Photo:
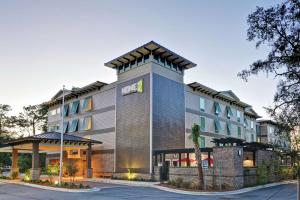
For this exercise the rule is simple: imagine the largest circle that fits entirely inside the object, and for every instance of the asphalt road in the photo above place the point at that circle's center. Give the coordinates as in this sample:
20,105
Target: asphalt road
18,192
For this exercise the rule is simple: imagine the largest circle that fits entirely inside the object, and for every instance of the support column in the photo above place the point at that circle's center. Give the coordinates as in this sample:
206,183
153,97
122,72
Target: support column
15,167
35,170
89,161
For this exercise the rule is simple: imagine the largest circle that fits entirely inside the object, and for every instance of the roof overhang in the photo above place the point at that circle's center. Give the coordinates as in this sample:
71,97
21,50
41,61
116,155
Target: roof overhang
154,48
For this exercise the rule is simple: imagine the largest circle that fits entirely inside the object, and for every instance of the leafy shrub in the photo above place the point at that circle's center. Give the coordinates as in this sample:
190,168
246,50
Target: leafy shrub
195,185
178,182
262,172
81,186
14,175
186,185
72,169
52,170
27,176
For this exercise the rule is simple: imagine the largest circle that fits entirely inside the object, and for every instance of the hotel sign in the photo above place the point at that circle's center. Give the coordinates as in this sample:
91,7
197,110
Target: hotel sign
137,87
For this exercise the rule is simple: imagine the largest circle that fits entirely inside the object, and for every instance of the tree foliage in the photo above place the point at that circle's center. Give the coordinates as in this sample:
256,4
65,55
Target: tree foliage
33,118
278,28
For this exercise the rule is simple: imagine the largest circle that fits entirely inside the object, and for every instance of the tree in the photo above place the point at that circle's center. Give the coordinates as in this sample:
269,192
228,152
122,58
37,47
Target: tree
6,123
278,27
195,135
33,118
72,169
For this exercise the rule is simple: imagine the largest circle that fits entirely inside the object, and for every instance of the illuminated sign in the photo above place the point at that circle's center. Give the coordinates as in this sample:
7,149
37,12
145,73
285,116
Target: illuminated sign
133,88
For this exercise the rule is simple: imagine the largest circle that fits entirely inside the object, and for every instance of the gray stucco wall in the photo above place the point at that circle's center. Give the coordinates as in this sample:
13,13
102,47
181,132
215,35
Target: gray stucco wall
133,128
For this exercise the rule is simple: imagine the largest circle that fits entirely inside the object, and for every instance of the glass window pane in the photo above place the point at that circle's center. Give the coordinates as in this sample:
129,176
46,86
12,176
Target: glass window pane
73,126
229,128
217,108
217,126
87,104
202,123
202,104
74,108
239,132
66,110
229,112
87,123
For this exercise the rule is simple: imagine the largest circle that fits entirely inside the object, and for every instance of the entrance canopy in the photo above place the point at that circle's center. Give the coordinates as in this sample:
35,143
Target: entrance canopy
49,141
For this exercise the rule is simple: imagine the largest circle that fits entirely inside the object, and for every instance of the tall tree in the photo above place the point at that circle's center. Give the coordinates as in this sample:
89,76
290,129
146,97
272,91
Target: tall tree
6,123
195,135
278,27
33,118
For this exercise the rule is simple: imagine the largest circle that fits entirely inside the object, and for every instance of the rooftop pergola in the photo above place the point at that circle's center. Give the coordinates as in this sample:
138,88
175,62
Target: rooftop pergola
46,142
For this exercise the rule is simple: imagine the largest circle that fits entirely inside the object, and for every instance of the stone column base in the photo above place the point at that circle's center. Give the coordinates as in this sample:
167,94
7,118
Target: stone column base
35,174
90,173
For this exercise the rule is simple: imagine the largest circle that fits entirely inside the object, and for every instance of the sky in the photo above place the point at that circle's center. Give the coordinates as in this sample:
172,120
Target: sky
47,44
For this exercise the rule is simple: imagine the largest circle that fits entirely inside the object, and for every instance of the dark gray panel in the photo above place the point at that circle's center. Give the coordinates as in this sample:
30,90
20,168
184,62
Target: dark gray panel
133,128
168,113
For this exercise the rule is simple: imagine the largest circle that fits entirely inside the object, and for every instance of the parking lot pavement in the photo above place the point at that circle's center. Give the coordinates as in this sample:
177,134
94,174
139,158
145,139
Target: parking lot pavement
18,192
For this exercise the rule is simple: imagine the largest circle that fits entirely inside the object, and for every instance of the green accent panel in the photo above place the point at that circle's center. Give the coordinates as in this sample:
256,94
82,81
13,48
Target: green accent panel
66,110
202,123
202,142
229,128
202,104
140,86
229,112
239,130
73,126
74,108
217,126
217,108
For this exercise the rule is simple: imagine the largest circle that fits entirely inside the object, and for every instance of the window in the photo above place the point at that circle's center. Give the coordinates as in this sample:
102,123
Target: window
252,138
73,126
87,104
127,67
66,126
251,124
139,60
54,128
238,115
66,110
146,58
121,69
180,69
162,61
229,129
202,104
202,123
245,122
202,142
168,64
217,108
217,126
74,108
155,57
229,112
271,130
87,123
239,132
174,67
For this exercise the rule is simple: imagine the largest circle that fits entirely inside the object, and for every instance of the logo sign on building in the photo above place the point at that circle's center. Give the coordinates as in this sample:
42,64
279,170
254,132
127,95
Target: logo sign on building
204,164
133,88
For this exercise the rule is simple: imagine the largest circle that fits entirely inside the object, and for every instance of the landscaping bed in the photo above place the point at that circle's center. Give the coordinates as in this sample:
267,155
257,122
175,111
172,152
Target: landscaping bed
67,185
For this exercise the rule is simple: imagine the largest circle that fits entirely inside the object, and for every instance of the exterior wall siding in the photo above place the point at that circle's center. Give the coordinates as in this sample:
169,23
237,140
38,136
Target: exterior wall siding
133,128
168,113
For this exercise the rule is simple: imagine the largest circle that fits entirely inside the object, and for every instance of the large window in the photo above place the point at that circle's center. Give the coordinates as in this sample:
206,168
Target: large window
75,107
87,104
229,112
202,104
239,132
238,115
66,110
217,108
252,138
229,128
251,124
66,126
245,122
87,123
73,126
202,123
202,142
218,127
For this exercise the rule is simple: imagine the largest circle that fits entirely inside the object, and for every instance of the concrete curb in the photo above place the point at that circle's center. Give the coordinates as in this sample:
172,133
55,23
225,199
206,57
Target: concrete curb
155,185
234,192
52,188
124,182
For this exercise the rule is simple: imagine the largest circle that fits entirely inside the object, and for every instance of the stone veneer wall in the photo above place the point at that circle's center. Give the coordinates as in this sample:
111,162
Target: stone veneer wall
103,164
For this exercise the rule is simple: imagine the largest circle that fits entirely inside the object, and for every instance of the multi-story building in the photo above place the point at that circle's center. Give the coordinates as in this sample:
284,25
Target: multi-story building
148,108
268,133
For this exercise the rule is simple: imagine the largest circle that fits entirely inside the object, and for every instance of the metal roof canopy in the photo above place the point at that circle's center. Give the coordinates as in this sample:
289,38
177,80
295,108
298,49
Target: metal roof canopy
154,48
48,141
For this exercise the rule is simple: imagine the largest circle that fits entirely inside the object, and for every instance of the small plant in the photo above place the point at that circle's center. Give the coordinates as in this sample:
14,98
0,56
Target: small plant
71,169
65,184
27,176
262,172
52,170
178,182
186,185
14,175
81,186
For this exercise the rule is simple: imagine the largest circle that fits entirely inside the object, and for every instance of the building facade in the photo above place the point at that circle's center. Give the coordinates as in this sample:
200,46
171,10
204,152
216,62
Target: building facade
148,108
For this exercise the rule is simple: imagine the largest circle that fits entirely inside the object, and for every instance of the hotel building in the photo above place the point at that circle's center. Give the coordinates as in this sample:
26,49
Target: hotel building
148,108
